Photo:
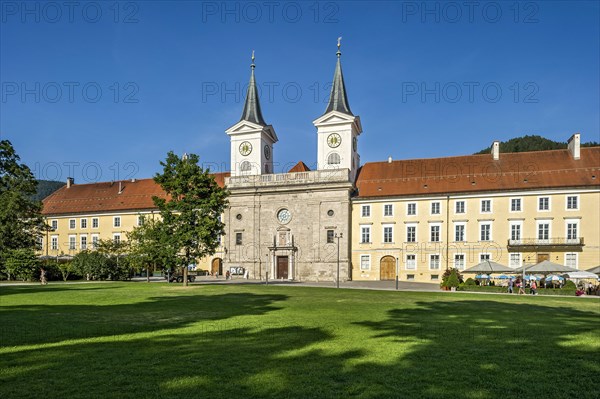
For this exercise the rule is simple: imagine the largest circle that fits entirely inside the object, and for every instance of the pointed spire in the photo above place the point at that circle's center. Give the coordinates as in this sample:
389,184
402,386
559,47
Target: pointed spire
251,111
338,100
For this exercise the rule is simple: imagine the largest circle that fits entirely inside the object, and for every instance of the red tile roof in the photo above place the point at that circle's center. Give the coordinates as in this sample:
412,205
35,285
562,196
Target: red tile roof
299,167
105,197
476,173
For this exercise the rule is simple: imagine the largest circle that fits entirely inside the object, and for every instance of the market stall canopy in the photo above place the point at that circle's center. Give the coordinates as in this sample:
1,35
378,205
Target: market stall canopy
489,267
581,275
546,267
595,270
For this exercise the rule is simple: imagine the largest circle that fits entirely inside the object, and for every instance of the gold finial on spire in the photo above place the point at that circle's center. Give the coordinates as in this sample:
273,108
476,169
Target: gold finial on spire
339,44
252,65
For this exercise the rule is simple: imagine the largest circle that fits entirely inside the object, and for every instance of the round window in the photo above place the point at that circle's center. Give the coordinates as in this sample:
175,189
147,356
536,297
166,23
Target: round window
238,216
330,212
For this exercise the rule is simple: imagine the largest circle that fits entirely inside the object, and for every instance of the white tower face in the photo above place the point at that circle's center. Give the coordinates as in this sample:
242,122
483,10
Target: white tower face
338,142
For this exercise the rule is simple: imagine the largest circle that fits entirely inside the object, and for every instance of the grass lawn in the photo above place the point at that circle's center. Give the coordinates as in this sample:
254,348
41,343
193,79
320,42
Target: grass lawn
137,340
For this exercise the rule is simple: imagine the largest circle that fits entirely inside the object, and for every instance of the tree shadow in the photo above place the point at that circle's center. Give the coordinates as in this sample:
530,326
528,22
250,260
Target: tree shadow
7,290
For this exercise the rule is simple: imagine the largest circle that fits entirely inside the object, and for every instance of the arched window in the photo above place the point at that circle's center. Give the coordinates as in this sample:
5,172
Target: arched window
333,158
245,166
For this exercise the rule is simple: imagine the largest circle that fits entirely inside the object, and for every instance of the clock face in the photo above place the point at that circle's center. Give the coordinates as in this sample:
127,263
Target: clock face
267,151
284,216
245,148
354,144
334,140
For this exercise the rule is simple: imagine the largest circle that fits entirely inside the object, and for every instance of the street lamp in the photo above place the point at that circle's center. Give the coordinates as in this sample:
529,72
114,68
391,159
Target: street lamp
397,262
338,258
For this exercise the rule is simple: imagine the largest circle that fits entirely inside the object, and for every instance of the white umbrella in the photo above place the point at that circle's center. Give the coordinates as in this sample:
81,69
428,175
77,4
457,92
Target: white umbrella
581,275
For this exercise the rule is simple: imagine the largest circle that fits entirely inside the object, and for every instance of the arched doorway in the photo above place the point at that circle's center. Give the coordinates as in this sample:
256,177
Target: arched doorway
216,266
387,268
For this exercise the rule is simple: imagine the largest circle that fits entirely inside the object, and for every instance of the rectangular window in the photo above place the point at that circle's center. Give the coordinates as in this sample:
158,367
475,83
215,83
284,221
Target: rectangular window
571,260
140,220
410,277
515,205
330,236
95,223
388,210
435,208
543,203
83,242
388,234
411,233
459,261
117,238
411,262
484,257
366,211
543,231
486,206
117,221
435,233
515,232
238,238
83,223
515,260
572,231
365,262
39,243
365,234
72,242
572,202
95,241
54,243
459,232
486,232
71,224
459,207
411,208
434,262
435,277
54,225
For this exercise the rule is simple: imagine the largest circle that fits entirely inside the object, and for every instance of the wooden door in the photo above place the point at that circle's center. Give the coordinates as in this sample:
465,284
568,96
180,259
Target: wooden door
387,268
282,267
216,266
543,257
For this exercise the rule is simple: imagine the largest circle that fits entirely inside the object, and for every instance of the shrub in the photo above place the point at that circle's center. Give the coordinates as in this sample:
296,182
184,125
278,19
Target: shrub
470,281
453,279
21,264
569,285
447,275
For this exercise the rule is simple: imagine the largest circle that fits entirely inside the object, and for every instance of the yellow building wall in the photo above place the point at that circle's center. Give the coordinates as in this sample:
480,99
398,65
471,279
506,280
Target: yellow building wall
587,216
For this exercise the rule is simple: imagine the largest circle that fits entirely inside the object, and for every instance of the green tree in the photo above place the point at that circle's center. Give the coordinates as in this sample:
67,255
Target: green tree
66,269
21,264
190,216
118,260
91,264
20,218
149,245
532,143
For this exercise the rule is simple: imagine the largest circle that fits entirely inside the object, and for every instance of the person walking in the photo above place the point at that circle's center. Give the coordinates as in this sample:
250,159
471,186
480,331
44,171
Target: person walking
533,288
43,279
510,285
520,285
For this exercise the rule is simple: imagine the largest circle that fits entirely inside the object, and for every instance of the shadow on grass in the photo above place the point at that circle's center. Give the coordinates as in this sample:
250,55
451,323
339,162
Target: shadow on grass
459,349
6,290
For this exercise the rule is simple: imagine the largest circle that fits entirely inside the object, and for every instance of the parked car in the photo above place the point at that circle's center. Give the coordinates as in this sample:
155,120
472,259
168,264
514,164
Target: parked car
178,277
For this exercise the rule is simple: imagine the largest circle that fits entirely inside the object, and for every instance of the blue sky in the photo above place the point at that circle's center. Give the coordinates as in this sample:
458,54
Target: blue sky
102,90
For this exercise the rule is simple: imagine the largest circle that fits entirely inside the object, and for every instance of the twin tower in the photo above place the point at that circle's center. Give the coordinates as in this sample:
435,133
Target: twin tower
252,139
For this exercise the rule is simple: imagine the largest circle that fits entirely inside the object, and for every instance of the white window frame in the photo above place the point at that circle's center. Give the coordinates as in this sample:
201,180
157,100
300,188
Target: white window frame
83,246
97,220
464,225
520,256
464,260
366,208
464,202
491,236
439,226
510,228
54,224
368,227
406,264
391,207
510,200
54,243
432,205
576,255
115,235
140,218
416,232
439,260
481,201
577,230
383,227
537,231
567,202
72,242
368,257
408,204
549,203
72,224
97,237
486,254
115,218
83,221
